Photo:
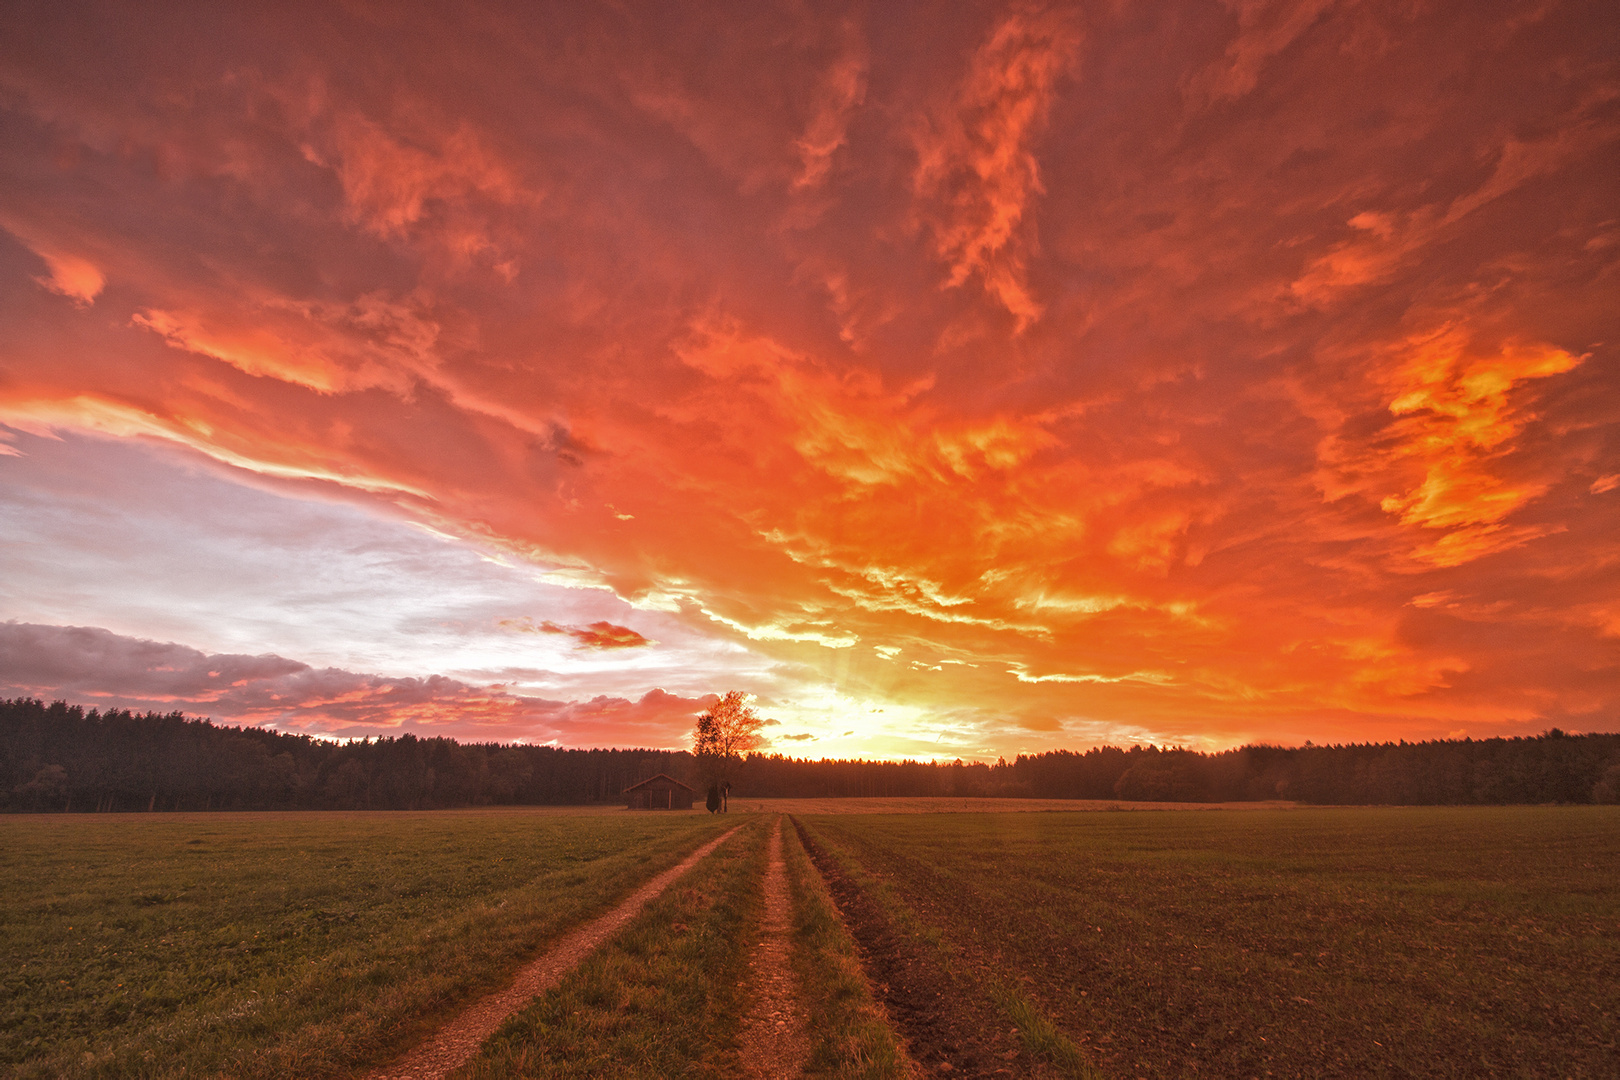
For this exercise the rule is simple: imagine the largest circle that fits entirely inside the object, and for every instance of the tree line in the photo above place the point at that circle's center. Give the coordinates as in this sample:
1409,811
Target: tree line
61,757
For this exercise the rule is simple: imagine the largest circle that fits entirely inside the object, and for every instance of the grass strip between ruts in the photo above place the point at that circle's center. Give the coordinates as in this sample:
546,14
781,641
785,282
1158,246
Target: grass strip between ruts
664,998
850,1037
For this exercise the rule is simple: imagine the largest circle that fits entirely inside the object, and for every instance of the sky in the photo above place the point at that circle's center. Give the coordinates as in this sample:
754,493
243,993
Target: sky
961,380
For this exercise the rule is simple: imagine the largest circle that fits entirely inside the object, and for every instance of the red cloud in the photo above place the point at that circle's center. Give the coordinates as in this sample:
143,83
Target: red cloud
598,635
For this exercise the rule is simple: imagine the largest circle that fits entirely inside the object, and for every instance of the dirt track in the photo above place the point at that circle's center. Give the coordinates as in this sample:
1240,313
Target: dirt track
775,1039
949,1028
455,1043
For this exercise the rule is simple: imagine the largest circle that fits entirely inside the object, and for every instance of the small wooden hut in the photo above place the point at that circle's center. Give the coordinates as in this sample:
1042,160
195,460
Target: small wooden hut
659,793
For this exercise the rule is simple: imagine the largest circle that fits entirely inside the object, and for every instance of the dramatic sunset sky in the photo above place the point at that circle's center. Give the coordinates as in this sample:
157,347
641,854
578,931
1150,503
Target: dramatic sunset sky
960,379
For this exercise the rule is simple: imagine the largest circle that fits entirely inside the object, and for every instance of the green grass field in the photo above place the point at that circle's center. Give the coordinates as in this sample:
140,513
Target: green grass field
660,999
1353,942
286,944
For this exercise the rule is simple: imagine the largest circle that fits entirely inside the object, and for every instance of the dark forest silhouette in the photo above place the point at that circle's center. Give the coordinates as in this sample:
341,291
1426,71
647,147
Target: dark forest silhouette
63,757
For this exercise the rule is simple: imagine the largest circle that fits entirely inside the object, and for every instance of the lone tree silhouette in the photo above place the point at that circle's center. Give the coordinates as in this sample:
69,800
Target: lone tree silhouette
723,735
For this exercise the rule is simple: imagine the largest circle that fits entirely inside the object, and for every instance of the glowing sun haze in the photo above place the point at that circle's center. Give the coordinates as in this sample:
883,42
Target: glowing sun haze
961,380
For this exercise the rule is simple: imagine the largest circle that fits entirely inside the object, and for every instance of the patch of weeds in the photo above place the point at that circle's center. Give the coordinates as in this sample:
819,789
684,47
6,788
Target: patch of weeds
1038,1034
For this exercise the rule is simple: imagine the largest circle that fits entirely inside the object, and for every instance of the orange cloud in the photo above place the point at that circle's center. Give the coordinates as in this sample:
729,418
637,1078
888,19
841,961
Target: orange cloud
1265,28
73,277
71,274
1458,423
976,162
842,90
371,342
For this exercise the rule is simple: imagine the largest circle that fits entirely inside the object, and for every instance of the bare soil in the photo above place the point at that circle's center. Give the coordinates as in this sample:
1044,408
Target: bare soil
775,1038
456,1042
950,1027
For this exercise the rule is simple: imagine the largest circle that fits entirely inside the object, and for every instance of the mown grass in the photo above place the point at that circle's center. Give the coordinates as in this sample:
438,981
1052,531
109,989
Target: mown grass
260,945
850,1038
1357,942
664,998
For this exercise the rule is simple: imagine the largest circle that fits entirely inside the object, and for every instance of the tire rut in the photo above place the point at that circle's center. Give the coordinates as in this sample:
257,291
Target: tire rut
951,1029
454,1044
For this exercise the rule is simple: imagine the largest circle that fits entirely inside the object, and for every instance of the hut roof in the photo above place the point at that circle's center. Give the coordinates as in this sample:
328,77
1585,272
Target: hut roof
652,779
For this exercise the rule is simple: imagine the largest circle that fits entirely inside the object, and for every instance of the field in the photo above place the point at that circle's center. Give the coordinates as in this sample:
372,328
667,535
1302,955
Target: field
665,998
957,805
282,944
1351,942
1170,943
